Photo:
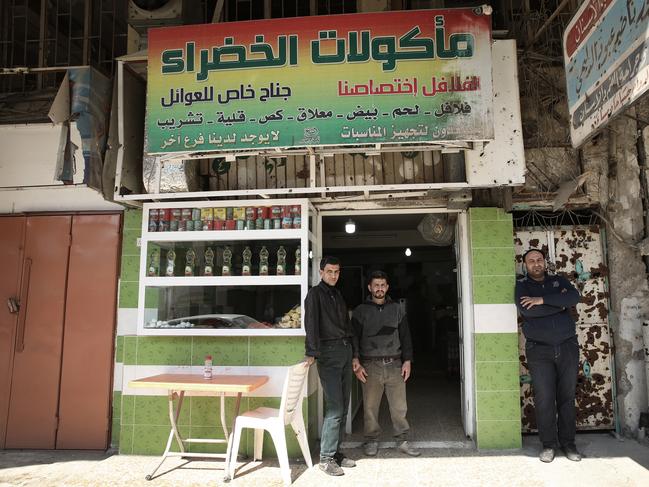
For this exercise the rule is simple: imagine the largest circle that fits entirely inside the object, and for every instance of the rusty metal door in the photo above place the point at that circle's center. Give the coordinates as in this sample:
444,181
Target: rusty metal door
91,304
12,234
34,396
578,254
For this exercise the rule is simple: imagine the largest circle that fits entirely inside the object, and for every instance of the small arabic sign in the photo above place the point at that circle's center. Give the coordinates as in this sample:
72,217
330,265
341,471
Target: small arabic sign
410,76
606,46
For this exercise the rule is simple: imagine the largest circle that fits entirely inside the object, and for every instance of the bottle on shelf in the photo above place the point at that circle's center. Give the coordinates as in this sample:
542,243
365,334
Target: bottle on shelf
298,261
171,263
263,261
247,266
207,369
281,261
208,270
154,263
227,262
190,258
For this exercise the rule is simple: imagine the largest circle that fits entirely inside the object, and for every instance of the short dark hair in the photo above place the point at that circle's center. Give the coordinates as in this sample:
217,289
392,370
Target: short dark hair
329,259
533,250
376,275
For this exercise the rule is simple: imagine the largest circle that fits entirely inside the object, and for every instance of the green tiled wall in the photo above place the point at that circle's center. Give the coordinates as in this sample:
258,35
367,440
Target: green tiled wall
492,249
141,423
117,419
496,354
145,424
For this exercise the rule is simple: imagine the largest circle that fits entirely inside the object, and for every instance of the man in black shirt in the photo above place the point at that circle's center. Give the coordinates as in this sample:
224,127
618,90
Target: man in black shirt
382,358
552,351
328,340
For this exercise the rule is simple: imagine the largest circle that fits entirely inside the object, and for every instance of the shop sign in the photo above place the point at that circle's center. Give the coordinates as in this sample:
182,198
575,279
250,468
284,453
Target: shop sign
391,77
605,45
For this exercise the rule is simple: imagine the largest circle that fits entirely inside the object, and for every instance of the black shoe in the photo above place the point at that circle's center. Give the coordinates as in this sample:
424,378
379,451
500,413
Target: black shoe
343,461
330,467
547,455
571,453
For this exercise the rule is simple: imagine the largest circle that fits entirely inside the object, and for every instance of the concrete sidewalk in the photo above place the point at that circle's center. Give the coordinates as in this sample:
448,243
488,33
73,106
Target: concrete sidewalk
608,462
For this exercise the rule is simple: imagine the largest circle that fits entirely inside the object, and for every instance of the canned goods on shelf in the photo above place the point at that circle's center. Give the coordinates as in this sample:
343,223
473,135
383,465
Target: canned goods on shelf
220,214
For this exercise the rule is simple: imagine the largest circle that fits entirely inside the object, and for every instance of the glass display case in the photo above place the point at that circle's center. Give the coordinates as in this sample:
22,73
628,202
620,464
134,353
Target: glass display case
224,267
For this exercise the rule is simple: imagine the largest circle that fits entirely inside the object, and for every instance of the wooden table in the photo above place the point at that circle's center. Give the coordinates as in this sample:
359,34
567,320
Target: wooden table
179,384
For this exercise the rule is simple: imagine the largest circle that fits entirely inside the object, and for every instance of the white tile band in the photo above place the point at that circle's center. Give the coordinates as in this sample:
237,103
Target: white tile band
495,318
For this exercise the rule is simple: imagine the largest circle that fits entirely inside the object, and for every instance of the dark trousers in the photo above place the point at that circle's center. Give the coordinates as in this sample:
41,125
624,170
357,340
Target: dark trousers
335,371
554,382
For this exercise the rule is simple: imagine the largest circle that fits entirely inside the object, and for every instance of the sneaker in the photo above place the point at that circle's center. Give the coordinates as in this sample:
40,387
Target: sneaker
371,448
547,455
571,453
330,467
405,447
343,461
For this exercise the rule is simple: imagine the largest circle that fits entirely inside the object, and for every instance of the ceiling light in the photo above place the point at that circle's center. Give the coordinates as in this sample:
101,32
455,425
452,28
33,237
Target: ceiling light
408,252
350,226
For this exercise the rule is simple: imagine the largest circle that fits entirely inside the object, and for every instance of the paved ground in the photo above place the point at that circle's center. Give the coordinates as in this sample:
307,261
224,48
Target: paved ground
608,462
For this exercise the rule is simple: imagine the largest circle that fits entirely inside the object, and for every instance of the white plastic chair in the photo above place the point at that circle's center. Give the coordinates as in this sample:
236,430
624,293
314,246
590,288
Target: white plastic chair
274,421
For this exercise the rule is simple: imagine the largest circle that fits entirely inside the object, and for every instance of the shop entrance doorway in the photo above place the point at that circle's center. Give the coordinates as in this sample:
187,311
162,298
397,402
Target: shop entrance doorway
424,281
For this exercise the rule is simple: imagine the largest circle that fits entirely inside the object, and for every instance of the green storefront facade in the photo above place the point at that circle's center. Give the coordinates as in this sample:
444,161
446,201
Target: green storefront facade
141,420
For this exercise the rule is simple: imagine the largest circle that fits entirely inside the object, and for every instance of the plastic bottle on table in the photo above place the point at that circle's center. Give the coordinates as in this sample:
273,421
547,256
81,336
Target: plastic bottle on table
207,370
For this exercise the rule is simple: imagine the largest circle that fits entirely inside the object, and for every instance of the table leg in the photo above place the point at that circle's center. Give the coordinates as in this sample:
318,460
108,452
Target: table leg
174,433
225,429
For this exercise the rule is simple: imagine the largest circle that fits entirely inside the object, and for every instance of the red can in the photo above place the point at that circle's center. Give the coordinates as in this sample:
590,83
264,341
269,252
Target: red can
230,224
263,212
286,212
251,213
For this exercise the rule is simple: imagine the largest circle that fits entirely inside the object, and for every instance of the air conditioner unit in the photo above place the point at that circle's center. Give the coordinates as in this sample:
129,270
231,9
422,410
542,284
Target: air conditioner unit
143,14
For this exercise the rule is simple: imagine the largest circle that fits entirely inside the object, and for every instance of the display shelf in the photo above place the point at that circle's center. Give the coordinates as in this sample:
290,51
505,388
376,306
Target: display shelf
224,332
263,298
223,281
225,235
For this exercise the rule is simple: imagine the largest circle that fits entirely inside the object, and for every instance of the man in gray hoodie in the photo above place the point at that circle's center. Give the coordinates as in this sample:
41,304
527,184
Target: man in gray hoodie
382,351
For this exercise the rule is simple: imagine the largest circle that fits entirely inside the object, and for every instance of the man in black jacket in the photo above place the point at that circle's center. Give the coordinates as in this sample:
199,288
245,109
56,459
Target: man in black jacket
382,358
552,351
329,341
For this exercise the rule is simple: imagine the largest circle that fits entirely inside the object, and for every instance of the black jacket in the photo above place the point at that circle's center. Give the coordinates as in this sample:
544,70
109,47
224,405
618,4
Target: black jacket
550,322
381,330
325,317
